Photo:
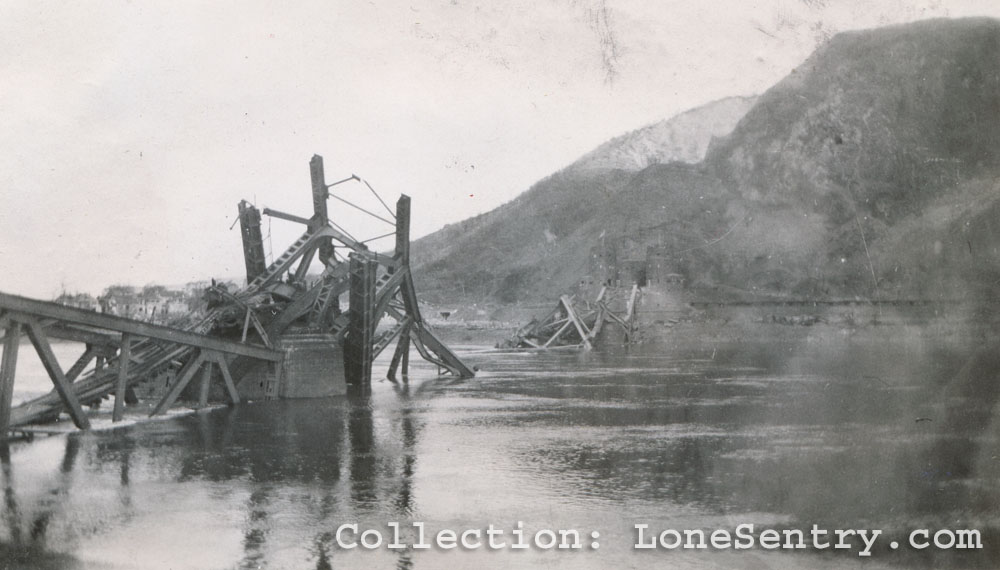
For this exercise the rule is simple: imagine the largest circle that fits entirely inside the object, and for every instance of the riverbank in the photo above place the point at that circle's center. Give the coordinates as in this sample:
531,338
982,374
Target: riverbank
952,324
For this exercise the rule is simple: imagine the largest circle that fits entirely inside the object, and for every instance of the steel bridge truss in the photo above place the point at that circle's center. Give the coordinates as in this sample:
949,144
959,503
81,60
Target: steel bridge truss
126,352
379,287
279,298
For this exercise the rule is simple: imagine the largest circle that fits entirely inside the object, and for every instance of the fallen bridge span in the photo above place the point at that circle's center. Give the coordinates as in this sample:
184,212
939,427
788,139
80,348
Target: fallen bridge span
279,336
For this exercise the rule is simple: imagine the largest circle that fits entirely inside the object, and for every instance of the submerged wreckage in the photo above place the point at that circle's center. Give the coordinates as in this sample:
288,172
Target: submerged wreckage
284,335
578,324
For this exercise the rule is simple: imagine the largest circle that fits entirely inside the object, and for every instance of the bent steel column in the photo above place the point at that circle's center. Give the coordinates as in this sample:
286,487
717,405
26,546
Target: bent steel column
358,349
7,370
253,240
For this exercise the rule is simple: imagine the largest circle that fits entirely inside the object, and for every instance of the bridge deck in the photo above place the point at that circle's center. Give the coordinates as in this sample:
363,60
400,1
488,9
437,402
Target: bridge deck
133,349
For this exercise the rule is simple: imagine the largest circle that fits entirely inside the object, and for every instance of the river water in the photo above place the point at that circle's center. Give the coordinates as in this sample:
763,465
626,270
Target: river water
821,428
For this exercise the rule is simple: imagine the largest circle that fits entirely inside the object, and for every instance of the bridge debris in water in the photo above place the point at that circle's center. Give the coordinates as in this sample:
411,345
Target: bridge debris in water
277,337
576,324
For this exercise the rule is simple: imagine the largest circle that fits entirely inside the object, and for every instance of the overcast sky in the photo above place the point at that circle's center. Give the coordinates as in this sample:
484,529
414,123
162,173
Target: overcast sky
129,130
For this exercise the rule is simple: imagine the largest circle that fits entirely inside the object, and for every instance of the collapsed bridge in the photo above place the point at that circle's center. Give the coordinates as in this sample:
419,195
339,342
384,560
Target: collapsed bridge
576,323
283,335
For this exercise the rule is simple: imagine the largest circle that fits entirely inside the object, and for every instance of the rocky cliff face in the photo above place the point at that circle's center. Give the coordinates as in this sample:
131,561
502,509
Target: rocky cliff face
683,138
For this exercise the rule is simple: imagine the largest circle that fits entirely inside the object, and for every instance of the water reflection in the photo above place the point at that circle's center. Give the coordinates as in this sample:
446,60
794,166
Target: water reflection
408,427
362,458
11,510
845,435
27,530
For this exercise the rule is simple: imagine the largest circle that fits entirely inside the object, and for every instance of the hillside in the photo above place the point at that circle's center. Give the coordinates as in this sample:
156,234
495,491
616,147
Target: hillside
880,134
540,242
870,171
683,138
526,249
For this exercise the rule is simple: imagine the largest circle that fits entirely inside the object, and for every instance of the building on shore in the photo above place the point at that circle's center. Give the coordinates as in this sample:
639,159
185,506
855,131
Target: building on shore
79,301
152,303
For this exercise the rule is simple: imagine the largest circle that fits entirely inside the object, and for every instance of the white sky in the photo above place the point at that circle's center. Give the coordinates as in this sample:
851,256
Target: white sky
130,130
